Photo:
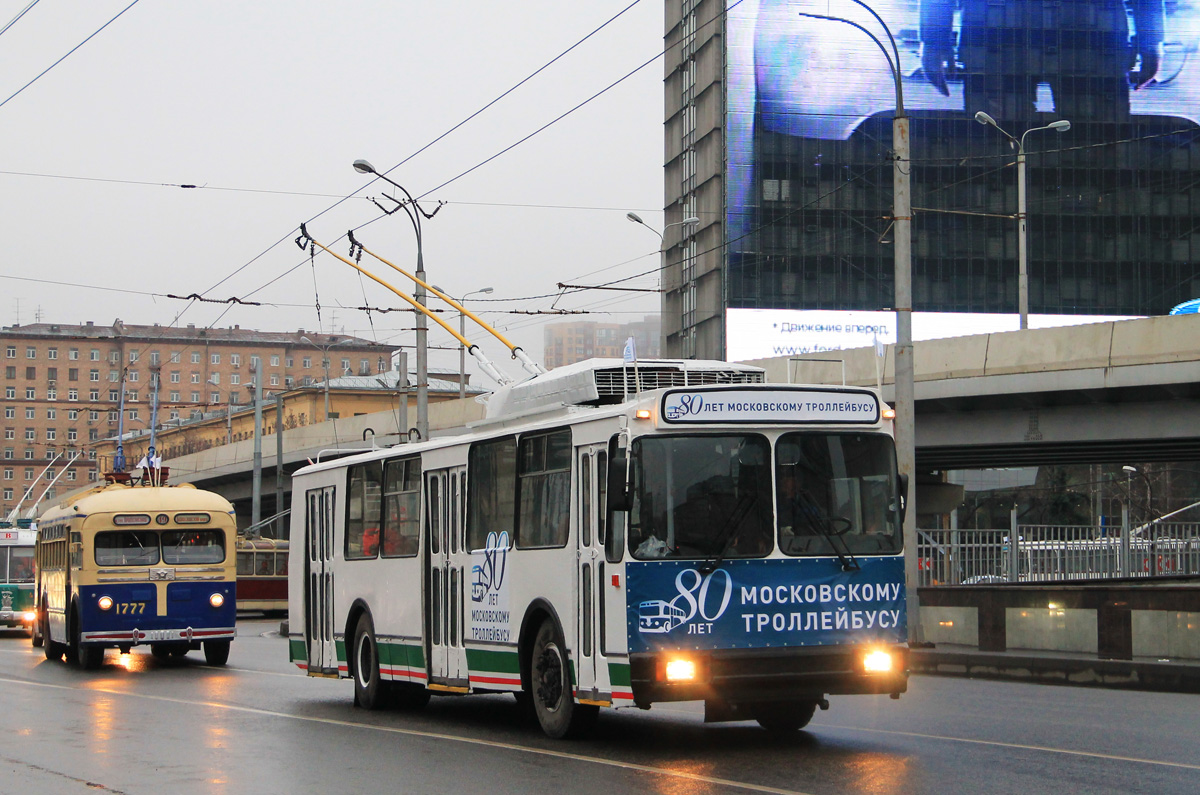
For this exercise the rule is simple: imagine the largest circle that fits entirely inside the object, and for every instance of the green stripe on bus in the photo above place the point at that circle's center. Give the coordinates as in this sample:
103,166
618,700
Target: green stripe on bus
298,651
618,674
501,662
401,654
340,645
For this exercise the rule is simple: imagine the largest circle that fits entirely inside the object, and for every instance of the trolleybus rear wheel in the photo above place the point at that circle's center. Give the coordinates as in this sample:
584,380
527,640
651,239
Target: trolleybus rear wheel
370,691
784,717
216,652
88,656
550,680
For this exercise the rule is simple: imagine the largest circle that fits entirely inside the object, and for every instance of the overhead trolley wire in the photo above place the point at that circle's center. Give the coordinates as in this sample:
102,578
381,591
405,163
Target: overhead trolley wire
73,49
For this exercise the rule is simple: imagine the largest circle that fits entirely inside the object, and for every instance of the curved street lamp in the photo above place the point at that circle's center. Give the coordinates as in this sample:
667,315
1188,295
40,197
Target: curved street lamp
414,215
1062,125
462,349
905,426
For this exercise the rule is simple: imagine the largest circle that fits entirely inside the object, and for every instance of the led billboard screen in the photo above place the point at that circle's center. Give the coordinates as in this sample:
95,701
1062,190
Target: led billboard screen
809,104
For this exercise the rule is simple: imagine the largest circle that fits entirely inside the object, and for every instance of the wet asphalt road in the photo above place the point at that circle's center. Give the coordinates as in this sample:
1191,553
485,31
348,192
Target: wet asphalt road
259,725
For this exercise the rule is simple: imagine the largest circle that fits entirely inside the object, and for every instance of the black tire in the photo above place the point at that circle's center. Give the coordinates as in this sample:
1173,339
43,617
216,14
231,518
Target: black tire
53,649
216,652
370,691
35,631
87,656
784,717
550,686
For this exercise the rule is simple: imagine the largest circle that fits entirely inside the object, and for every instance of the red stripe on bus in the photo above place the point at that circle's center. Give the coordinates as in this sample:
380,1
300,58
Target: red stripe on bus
496,680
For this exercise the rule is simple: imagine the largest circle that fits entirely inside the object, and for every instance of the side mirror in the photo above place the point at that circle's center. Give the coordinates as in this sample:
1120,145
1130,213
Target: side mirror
903,497
618,488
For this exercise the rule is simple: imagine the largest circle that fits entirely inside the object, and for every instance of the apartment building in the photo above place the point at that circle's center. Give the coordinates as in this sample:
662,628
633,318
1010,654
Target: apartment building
62,386
567,343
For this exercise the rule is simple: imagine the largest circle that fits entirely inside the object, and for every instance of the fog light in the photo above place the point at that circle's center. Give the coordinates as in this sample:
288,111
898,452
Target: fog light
216,600
681,671
877,662
105,603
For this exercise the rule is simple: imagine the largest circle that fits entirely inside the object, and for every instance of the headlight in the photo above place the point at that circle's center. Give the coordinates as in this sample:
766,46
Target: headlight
216,600
680,671
877,662
105,603
30,618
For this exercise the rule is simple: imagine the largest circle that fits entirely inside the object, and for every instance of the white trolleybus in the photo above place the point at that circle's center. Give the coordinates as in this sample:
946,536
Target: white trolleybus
609,540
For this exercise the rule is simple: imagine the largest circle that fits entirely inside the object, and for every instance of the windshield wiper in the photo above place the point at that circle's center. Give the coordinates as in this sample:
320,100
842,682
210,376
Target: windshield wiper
727,535
816,518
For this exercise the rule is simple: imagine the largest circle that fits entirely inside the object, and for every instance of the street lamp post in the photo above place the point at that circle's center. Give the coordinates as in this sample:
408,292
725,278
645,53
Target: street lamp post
1130,471
905,423
324,349
414,215
462,349
637,219
1062,125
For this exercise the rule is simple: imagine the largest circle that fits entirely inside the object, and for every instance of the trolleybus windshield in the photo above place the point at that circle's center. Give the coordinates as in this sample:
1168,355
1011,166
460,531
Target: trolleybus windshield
20,564
840,484
701,497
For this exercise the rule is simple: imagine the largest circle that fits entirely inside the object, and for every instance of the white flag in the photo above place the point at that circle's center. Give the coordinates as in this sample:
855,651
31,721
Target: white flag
630,351
879,346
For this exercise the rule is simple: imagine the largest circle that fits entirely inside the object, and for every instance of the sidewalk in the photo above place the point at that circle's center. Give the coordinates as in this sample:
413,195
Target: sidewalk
1058,668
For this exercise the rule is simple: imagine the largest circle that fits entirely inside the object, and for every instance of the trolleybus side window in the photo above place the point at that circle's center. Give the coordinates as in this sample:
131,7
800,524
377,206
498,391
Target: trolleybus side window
183,547
839,484
544,483
491,507
700,496
401,508
126,548
363,511
612,522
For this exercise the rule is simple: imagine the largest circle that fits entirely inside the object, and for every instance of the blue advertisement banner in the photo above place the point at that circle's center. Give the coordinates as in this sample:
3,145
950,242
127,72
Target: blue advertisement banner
749,604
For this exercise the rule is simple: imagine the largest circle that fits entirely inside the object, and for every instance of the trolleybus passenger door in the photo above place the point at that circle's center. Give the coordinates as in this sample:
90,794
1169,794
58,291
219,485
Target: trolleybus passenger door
592,670
444,586
318,594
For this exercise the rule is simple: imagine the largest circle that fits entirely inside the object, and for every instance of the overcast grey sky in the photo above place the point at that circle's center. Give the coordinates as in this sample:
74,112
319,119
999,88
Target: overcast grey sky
265,105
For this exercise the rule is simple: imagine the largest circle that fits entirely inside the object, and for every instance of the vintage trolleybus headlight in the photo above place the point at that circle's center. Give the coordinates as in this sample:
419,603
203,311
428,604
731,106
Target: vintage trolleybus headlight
105,603
877,661
216,600
30,617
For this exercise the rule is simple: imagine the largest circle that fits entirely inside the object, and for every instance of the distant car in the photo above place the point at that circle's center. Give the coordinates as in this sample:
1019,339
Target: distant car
984,579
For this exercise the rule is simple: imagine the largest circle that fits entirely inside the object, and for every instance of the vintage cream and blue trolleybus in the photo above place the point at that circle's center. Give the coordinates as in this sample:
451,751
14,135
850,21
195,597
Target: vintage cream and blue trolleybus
612,538
126,565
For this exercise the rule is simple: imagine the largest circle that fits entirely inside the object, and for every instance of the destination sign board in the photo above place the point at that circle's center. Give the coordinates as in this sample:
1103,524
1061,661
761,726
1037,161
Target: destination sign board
782,405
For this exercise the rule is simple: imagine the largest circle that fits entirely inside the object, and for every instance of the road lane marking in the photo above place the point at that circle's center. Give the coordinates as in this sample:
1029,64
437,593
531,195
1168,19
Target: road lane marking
694,777
1014,746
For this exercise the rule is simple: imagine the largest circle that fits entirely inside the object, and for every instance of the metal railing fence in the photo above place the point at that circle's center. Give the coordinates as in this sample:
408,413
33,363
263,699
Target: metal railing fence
1054,553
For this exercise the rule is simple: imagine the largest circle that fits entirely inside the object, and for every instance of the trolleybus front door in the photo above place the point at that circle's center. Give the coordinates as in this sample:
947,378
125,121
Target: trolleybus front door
318,588
592,671
445,540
